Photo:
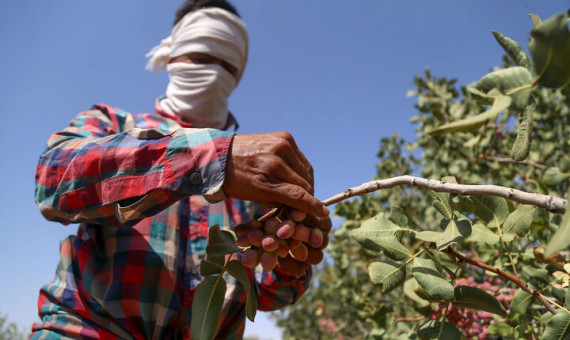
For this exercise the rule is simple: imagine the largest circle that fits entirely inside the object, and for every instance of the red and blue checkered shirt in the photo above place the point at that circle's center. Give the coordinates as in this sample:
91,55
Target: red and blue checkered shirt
140,185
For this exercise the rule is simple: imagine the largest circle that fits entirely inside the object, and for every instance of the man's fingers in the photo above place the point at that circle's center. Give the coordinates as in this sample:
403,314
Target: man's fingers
324,224
297,160
298,198
283,172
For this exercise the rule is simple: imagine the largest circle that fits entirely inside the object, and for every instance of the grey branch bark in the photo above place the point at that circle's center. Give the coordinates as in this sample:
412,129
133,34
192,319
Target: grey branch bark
549,203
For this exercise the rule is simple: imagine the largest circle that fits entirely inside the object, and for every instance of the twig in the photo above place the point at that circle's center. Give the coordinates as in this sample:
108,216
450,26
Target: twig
537,295
418,318
443,320
509,253
549,203
518,89
510,160
271,213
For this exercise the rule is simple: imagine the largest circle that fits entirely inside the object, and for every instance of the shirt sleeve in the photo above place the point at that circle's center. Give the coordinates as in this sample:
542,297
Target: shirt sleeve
97,171
278,289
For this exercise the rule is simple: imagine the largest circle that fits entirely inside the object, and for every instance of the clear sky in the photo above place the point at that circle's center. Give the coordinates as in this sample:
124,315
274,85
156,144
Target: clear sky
334,73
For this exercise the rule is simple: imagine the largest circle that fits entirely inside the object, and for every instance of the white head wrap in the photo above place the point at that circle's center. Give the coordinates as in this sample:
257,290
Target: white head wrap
210,30
199,92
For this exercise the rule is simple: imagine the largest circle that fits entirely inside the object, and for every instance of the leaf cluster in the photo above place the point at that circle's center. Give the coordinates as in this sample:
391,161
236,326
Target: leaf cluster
218,268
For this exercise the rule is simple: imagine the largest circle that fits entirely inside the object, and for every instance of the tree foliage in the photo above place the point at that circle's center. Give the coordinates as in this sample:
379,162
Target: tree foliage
10,330
412,263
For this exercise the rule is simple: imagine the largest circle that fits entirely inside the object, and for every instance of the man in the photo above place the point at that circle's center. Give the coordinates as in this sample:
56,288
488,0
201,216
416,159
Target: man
146,188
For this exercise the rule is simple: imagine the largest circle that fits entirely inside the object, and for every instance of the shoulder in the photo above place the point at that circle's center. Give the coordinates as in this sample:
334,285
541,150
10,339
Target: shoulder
108,110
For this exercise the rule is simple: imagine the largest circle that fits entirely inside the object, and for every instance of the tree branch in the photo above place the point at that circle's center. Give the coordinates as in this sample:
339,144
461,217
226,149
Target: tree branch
504,274
510,160
549,203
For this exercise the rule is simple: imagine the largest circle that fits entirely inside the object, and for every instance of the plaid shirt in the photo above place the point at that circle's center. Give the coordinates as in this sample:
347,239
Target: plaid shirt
140,185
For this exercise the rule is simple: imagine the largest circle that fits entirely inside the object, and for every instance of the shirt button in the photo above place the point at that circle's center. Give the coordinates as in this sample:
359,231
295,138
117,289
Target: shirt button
197,216
195,178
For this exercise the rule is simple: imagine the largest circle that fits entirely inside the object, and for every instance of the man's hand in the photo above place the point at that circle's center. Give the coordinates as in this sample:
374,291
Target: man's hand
270,168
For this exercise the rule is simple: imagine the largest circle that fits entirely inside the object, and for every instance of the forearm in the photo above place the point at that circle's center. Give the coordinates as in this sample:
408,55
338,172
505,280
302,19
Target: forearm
126,176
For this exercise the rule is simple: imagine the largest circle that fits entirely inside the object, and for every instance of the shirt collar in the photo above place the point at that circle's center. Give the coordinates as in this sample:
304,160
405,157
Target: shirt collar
231,123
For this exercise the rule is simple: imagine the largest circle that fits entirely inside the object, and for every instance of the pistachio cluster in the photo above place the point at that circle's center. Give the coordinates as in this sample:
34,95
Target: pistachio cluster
275,238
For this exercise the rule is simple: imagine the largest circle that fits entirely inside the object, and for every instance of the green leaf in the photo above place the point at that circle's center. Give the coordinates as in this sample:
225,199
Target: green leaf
542,189
521,147
462,203
398,216
472,123
207,307
557,293
567,297
513,49
484,98
441,204
455,231
559,327
237,270
475,298
423,294
540,274
553,176
212,265
221,242
480,233
535,19
549,47
433,330
521,302
561,238
518,222
545,318
388,274
430,279
500,328
493,210
508,79
409,290
379,234
429,236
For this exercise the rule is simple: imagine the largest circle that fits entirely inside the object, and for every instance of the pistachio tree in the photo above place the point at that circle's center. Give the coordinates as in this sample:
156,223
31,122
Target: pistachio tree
465,231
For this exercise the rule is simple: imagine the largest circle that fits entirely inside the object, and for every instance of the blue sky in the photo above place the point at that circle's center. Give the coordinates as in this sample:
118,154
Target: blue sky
334,73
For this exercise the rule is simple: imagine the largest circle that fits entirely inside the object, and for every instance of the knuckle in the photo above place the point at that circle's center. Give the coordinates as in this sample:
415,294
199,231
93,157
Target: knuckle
285,135
282,145
272,168
297,193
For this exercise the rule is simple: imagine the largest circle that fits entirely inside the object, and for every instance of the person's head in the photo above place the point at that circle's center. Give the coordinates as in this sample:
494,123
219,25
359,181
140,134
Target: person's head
205,55
192,5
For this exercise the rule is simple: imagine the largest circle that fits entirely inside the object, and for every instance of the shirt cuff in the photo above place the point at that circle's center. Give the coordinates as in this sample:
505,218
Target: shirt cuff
196,162
217,196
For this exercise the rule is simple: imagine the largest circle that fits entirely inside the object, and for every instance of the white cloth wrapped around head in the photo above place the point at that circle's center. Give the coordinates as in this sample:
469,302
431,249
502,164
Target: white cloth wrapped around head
211,30
199,93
